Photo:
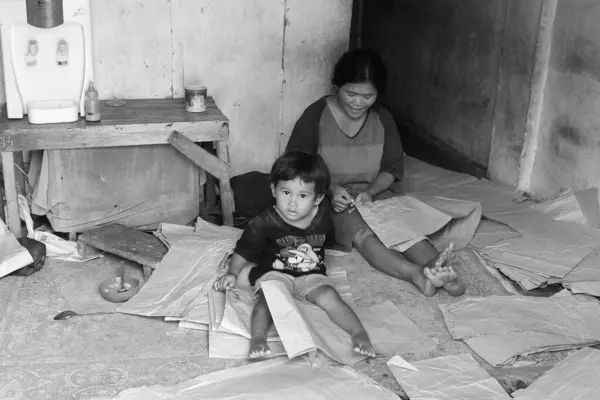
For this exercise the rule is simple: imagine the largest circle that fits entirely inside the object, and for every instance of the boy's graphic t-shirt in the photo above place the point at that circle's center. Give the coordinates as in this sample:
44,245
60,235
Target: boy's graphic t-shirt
275,245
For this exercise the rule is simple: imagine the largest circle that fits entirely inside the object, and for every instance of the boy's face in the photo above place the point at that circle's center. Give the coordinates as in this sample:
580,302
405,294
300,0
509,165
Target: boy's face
295,199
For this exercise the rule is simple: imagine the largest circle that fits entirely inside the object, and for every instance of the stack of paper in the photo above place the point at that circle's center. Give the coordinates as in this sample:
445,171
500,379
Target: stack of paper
181,290
546,251
502,328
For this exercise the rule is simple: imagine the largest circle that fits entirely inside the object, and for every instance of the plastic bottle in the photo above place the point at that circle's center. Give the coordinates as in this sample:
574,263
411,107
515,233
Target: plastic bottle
92,104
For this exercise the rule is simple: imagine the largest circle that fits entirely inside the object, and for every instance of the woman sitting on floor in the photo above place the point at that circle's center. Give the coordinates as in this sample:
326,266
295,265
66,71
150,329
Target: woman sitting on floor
359,141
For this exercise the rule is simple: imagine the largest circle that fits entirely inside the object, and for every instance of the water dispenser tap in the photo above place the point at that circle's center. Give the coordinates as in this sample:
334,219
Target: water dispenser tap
62,53
32,50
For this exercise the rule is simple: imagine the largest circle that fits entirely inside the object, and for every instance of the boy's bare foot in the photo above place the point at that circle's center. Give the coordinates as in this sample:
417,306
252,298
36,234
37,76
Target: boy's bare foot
362,345
259,347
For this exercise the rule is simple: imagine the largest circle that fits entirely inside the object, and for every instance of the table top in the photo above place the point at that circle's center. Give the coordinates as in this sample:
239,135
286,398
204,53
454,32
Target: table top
138,122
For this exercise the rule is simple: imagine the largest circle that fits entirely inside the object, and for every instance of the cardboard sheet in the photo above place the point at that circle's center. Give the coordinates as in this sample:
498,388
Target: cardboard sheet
574,378
446,378
502,328
268,380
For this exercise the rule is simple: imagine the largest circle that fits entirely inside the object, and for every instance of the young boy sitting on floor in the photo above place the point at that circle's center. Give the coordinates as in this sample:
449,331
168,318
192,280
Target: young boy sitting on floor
287,243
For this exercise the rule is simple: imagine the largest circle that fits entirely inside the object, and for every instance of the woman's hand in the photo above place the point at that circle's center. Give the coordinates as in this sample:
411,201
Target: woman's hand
364,197
225,282
341,199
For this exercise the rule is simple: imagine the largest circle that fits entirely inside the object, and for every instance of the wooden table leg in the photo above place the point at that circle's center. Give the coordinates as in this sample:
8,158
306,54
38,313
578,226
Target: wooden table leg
13,221
227,203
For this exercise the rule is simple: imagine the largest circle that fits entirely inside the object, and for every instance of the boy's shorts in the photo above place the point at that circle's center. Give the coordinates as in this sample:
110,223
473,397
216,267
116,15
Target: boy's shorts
299,286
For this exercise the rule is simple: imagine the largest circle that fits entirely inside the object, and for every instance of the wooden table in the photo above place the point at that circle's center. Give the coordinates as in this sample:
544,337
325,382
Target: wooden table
138,123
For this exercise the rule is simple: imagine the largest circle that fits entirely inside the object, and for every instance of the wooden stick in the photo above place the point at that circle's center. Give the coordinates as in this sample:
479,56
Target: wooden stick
10,191
198,155
227,201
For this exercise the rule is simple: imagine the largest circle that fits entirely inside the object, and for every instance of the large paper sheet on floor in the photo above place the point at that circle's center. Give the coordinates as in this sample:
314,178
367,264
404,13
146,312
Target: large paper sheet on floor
502,328
400,219
12,255
574,378
186,272
268,380
304,328
446,378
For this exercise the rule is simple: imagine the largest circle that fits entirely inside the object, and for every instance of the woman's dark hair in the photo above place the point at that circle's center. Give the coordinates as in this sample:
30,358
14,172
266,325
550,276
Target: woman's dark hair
360,66
310,168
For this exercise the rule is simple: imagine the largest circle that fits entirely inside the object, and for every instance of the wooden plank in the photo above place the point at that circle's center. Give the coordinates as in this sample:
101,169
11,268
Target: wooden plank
138,123
20,177
160,110
198,155
227,202
131,244
10,192
110,136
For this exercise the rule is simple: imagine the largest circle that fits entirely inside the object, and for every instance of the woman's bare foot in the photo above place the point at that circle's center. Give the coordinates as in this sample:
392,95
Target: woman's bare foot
445,277
259,347
433,269
362,345
454,287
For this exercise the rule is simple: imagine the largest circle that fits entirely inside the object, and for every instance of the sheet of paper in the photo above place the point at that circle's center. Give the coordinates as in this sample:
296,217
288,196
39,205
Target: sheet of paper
448,378
500,327
12,255
400,362
504,349
400,219
392,332
564,207
587,270
227,345
268,380
489,232
186,272
304,327
574,378
589,201
193,325
591,288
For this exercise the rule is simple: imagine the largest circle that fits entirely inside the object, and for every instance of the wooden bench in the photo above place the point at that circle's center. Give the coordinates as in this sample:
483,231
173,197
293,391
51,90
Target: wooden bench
139,122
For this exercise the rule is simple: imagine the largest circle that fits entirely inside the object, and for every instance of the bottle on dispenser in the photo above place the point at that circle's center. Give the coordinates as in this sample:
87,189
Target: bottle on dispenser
92,103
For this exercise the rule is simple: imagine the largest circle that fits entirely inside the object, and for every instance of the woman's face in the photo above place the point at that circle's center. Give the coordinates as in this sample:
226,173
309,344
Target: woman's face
356,98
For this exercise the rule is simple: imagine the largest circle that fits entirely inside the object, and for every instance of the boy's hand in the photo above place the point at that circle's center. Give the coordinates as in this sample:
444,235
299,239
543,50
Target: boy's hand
225,282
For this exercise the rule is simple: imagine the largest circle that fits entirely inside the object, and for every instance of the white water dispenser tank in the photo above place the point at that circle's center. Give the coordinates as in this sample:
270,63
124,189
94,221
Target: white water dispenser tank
45,69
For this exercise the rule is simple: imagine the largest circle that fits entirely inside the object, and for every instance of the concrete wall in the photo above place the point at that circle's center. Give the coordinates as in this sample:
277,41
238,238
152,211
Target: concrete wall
262,60
443,58
567,151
